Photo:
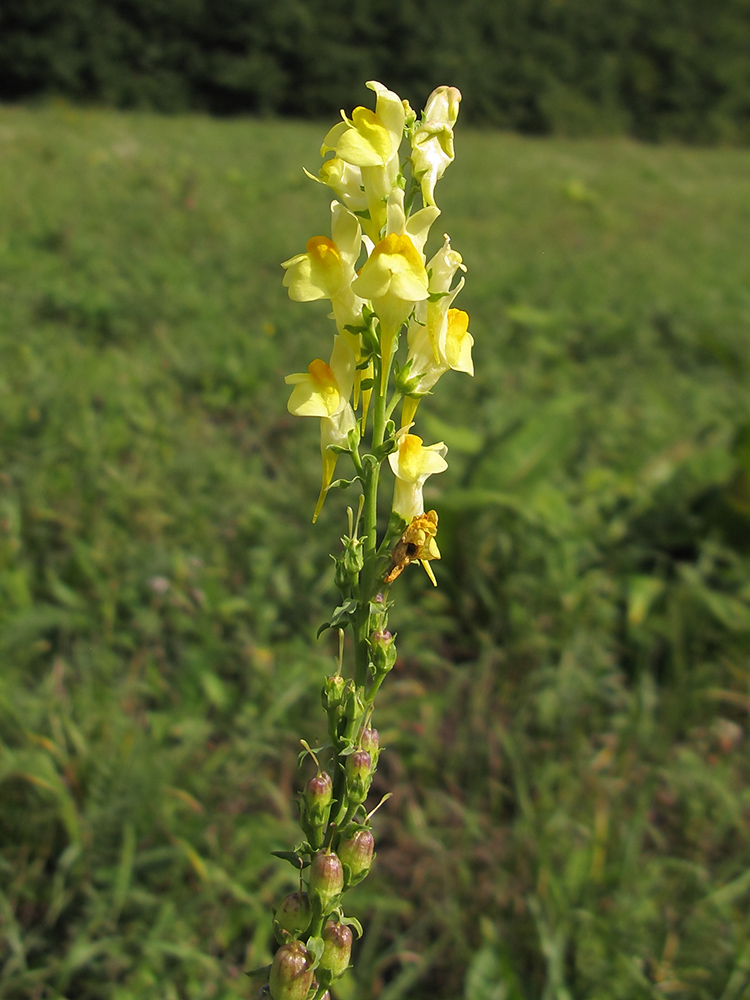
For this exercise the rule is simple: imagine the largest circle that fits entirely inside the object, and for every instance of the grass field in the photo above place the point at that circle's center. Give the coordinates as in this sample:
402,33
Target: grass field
567,726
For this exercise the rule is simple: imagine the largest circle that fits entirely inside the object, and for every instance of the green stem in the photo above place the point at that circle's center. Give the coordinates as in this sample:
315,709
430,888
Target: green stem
357,462
371,481
397,397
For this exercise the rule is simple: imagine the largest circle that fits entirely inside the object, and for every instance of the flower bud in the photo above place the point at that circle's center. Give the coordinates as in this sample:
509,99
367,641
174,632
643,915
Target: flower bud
332,696
294,913
356,854
337,949
353,711
353,556
316,807
318,792
341,576
405,382
383,651
333,692
326,880
378,609
358,775
369,740
291,972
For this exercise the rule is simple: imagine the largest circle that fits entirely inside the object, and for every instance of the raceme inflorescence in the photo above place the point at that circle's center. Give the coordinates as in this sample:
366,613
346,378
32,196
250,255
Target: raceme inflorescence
383,290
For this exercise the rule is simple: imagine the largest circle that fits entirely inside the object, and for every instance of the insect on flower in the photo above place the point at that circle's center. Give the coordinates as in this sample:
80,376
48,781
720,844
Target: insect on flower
417,542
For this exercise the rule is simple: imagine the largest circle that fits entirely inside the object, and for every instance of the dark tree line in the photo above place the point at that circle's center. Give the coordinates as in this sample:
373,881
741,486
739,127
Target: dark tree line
654,68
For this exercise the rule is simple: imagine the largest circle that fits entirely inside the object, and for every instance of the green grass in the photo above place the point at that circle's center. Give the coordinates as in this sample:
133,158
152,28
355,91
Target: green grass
567,725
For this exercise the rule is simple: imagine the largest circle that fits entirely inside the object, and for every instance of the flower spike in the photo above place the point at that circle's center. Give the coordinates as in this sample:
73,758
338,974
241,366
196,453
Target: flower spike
374,270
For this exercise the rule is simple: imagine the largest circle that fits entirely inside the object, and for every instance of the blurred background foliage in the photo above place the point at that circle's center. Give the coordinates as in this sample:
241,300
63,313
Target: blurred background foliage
665,69
567,723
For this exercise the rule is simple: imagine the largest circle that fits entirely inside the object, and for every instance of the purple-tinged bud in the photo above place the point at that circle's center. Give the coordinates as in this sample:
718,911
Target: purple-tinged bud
378,609
316,807
291,972
294,913
369,740
318,792
326,880
383,651
356,854
358,775
337,949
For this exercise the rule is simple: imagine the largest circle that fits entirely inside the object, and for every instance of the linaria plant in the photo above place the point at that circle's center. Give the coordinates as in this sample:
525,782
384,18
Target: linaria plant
374,271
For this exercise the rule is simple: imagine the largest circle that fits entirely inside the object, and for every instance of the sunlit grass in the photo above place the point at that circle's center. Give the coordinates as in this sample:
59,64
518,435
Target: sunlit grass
565,729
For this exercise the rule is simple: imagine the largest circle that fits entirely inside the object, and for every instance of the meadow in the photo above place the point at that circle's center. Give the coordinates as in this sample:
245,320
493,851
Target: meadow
567,725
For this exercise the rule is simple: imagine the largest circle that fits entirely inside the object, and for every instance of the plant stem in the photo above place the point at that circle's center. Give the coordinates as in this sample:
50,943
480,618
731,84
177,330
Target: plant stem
371,481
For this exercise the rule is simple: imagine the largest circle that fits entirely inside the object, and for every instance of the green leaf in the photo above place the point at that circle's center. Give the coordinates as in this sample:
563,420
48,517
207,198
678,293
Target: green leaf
353,922
343,613
292,857
315,946
343,484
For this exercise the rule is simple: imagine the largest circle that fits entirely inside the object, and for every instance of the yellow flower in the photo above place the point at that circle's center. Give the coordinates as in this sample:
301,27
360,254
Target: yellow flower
432,140
416,227
370,141
442,268
323,391
369,138
412,463
393,278
326,269
439,337
455,354
345,180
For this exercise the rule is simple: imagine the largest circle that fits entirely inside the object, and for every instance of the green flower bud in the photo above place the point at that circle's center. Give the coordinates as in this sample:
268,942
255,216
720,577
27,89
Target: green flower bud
291,972
316,807
383,651
356,854
332,694
341,577
353,557
294,913
405,382
353,710
337,950
358,775
326,880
